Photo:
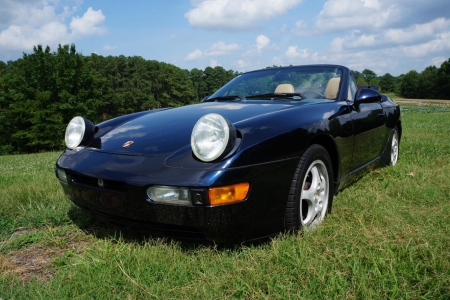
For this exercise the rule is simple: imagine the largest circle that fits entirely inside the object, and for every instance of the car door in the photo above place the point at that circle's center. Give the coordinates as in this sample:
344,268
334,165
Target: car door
368,130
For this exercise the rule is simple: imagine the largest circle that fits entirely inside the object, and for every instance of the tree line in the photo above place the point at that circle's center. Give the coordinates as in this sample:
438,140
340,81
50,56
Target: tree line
431,83
42,91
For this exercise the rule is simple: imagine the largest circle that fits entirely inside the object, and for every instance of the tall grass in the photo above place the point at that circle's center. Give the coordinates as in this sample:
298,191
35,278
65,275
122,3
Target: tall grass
388,237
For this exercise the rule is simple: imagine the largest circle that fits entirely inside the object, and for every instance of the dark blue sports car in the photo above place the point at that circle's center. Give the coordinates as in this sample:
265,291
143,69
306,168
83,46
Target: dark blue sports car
264,154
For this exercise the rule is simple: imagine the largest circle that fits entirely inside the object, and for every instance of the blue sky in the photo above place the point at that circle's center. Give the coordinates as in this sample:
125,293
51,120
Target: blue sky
386,36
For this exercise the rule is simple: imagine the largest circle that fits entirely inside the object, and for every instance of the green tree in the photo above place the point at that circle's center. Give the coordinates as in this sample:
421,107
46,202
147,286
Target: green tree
6,94
197,78
216,77
410,84
43,91
361,81
357,75
370,76
428,83
443,85
387,83
398,83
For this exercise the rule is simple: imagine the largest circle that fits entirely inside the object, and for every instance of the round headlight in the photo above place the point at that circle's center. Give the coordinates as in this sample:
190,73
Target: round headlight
75,132
212,136
79,132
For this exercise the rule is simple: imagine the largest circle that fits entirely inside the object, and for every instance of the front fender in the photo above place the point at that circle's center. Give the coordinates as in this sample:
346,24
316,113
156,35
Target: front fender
278,136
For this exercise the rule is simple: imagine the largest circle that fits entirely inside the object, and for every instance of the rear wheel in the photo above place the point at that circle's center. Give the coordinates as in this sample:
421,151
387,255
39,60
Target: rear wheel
311,193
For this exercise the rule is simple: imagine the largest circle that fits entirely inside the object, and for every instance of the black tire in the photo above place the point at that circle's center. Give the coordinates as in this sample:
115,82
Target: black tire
305,207
395,147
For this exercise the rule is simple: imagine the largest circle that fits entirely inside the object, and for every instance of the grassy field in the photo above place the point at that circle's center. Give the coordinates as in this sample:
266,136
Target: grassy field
388,237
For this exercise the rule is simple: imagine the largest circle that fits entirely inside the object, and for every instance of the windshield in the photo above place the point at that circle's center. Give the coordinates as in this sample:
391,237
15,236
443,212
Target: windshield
320,82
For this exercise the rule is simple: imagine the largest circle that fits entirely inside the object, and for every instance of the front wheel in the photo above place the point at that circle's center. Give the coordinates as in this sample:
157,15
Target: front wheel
394,147
312,191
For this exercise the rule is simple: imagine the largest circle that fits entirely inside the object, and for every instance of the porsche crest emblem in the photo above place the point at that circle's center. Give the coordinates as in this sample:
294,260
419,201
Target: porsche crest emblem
127,144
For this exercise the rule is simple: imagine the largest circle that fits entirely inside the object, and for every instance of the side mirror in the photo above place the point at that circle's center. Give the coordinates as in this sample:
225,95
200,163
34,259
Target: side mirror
205,98
365,95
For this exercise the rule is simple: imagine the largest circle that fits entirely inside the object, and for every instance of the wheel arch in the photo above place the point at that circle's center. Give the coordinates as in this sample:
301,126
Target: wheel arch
399,127
328,143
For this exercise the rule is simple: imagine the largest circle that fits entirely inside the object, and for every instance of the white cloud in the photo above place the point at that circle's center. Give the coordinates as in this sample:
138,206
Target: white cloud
89,23
256,55
301,29
262,42
440,44
236,14
213,63
437,61
292,53
338,15
25,37
384,60
381,35
34,12
33,22
337,44
217,49
413,35
416,31
359,41
221,48
375,4
241,64
109,48
195,55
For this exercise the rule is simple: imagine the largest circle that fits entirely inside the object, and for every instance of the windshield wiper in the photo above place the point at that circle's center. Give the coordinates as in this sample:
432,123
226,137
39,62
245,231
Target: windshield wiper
224,98
276,96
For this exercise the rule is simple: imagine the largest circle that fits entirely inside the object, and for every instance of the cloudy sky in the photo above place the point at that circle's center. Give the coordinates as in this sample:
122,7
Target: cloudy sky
386,36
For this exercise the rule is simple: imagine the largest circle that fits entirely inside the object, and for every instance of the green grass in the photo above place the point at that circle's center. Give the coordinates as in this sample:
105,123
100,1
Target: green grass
388,237
391,95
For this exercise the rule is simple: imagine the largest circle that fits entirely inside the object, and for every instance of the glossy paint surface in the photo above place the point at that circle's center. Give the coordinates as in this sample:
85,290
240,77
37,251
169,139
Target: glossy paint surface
272,136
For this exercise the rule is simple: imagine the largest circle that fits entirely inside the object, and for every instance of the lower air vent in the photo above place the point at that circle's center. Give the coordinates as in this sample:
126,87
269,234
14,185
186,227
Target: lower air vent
110,185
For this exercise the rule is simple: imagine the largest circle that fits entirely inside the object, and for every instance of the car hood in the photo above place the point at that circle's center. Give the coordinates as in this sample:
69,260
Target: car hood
169,130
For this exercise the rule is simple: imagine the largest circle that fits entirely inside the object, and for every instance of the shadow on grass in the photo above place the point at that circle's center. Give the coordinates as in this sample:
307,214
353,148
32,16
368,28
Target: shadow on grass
104,230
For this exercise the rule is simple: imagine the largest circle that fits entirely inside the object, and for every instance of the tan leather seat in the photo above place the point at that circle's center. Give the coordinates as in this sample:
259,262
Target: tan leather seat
284,88
332,88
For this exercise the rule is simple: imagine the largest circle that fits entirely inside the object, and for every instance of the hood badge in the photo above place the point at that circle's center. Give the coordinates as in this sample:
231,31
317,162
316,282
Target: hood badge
127,144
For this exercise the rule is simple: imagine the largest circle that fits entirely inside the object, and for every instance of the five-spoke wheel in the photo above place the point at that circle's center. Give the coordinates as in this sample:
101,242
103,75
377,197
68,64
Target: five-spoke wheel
311,190
394,148
314,195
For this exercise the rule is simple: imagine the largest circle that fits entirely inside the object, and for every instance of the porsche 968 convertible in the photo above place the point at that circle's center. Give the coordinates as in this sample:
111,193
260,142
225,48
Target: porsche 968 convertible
264,154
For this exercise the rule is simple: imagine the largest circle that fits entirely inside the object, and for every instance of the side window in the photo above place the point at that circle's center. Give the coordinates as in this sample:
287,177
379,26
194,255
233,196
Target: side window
351,88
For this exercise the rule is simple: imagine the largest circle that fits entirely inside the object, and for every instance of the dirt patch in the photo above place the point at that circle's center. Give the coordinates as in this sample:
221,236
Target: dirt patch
37,260
30,262
420,100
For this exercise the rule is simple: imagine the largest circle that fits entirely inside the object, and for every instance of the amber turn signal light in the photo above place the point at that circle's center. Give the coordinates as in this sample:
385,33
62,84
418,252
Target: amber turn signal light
228,194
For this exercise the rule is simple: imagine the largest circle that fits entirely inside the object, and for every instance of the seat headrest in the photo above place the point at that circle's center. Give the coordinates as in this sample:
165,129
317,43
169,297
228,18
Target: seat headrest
332,88
284,88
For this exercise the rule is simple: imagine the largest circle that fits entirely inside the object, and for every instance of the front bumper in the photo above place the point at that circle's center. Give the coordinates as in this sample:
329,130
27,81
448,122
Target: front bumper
122,200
